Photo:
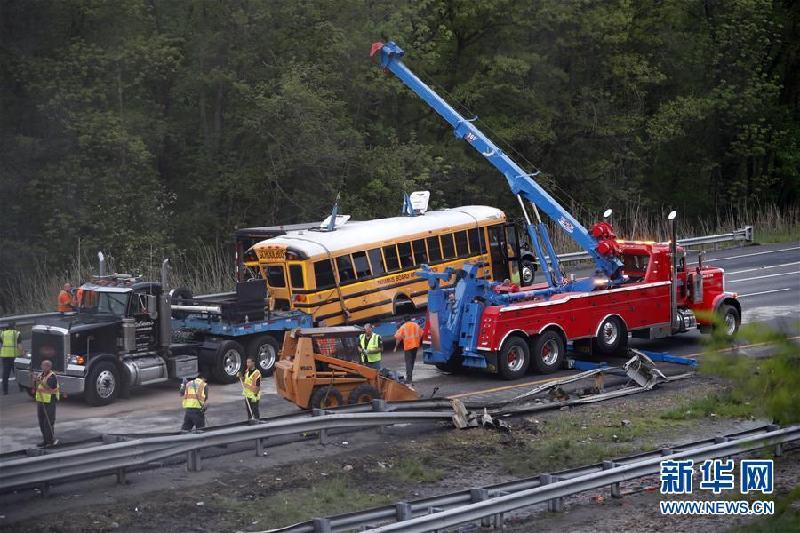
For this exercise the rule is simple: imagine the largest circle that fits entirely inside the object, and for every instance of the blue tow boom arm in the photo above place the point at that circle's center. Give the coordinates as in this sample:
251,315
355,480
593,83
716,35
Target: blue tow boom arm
521,183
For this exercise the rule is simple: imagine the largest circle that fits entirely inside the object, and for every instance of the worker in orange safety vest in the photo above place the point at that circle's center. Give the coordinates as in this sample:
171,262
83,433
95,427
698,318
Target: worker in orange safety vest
66,303
410,333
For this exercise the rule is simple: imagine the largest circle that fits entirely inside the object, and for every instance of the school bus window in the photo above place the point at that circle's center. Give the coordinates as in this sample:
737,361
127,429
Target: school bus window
345,267
323,274
476,244
448,249
434,251
404,251
461,243
420,255
376,260
275,277
390,254
296,276
361,264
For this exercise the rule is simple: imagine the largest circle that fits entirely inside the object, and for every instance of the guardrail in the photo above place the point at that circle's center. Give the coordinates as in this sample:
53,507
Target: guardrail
488,504
115,458
744,234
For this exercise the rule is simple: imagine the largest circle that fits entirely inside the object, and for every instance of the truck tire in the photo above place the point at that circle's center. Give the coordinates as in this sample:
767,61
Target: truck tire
102,384
612,338
363,393
528,273
265,349
549,352
514,358
228,361
730,320
326,398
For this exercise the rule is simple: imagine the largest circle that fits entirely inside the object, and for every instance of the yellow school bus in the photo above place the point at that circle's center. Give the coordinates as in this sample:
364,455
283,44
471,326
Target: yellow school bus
366,270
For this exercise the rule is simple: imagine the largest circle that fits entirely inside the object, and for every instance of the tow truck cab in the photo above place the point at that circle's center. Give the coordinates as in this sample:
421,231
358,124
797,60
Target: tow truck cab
700,289
119,337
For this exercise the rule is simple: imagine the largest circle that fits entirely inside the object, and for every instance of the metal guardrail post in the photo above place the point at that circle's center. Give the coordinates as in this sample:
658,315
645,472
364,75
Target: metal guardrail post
194,462
779,446
403,511
379,405
259,448
615,488
121,476
556,504
500,518
323,433
322,525
478,495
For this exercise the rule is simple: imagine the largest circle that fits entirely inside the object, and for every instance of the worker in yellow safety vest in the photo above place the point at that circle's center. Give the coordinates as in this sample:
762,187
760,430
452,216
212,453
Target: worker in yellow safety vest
195,401
47,393
10,348
410,333
251,389
370,345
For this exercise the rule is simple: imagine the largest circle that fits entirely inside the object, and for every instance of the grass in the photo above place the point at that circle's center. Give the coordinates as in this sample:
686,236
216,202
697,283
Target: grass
724,404
412,469
322,498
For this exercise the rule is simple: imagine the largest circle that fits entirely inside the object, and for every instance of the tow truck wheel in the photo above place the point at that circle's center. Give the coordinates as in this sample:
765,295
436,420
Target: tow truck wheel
102,384
730,319
612,338
548,352
363,393
514,358
326,397
453,365
229,361
265,350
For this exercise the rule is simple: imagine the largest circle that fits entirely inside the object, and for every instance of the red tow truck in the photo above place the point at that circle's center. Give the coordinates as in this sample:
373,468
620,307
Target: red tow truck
644,289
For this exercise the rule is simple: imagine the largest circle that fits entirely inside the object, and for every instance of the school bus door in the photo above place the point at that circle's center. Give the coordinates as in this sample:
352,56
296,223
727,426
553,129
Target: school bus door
498,252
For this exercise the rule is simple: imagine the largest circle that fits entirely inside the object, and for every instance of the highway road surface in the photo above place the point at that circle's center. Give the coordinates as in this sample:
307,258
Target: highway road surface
766,278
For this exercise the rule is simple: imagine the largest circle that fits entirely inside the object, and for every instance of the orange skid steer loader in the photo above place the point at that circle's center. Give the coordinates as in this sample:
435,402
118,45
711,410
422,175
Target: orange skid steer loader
319,368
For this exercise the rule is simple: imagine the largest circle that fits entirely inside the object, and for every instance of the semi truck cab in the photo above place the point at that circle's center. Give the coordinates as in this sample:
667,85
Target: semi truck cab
119,337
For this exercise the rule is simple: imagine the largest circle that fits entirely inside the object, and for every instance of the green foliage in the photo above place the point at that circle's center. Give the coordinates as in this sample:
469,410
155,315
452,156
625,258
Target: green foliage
771,384
730,404
154,125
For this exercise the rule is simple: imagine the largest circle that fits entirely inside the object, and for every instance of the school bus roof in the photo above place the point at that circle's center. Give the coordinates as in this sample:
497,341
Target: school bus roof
365,234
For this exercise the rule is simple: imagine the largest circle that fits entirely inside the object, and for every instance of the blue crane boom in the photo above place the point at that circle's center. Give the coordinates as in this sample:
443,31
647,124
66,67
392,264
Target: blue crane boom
521,183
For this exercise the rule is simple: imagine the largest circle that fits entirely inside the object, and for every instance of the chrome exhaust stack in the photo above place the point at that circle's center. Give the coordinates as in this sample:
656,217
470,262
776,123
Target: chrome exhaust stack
165,309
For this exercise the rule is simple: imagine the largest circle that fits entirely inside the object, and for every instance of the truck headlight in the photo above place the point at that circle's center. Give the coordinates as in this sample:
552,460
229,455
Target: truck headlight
77,360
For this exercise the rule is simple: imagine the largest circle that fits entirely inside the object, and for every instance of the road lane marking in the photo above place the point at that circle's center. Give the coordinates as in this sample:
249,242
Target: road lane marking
765,276
753,254
761,268
498,389
762,292
732,348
